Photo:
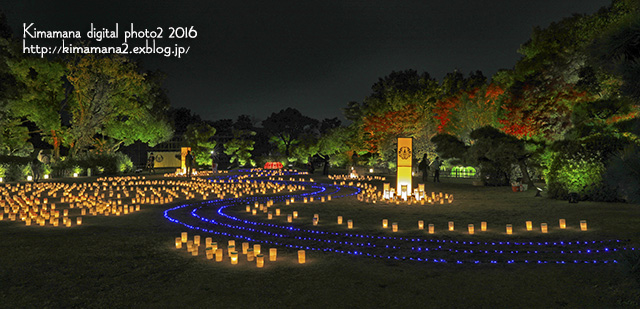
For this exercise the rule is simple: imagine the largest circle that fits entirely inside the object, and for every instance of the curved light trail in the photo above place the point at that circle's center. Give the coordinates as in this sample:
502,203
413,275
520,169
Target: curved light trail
214,217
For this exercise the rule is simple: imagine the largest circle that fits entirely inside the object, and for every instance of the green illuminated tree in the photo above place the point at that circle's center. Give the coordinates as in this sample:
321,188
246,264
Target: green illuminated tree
240,147
111,98
14,138
13,133
199,137
42,98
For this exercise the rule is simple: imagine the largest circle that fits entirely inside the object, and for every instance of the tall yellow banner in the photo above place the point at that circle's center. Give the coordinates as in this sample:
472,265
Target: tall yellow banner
405,159
183,155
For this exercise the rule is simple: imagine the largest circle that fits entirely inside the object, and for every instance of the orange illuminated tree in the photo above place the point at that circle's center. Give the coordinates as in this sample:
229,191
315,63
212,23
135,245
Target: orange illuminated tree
468,110
544,111
408,122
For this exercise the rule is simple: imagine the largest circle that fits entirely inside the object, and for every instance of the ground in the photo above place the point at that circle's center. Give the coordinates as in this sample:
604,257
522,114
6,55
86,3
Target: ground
131,260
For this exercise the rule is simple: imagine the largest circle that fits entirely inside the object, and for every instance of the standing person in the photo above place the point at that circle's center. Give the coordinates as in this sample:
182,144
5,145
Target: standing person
424,167
436,169
188,162
151,163
310,166
214,165
325,169
36,167
354,159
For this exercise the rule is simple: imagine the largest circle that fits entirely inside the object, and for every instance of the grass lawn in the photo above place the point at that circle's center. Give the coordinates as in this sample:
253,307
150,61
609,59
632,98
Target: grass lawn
130,261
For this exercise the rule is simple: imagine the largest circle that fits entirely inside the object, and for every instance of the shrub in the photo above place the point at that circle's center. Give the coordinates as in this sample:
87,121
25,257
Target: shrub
575,173
622,174
46,169
61,168
14,168
124,163
579,167
107,164
17,172
339,160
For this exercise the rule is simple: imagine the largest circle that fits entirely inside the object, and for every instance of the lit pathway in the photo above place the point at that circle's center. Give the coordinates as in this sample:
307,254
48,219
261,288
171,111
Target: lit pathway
213,217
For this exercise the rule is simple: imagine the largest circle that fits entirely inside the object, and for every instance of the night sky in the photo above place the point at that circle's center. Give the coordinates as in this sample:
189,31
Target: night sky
257,57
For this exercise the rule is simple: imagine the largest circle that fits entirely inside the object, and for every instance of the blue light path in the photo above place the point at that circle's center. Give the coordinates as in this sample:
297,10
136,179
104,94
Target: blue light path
211,217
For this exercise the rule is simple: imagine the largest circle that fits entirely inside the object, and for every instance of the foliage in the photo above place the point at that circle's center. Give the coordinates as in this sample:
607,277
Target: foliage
494,152
199,136
574,173
123,163
17,172
74,102
240,147
14,168
111,98
623,174
288,126
578,167
305,149
533,108
407,122
616,51
449,146
334,142
399,106
100,164
14,137
42,94
558,70
466,104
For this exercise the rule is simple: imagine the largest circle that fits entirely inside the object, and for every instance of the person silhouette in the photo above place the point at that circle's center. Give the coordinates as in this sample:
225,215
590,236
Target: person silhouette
188,162
435,165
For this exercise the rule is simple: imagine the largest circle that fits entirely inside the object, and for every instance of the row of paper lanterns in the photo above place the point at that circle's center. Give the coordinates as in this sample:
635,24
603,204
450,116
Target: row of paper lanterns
483,226
213,250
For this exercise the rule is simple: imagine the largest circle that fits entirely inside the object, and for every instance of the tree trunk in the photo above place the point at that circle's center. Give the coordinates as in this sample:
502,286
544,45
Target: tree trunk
56,146
525,173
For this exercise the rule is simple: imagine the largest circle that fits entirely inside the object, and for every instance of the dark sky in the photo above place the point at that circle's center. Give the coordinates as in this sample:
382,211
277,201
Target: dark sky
257,57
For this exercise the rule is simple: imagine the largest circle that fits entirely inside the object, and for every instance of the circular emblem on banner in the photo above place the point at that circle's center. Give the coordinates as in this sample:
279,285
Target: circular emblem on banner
404,153
159,158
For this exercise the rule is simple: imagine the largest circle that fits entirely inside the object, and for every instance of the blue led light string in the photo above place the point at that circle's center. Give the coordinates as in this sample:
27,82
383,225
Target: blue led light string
321,188
356,252
557,243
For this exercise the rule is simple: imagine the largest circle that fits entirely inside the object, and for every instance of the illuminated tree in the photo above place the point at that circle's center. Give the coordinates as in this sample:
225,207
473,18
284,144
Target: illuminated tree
409,121
199,137
42,98
13,133
111,98
335,142
540,110
399,106
14,138
239,148
557,72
